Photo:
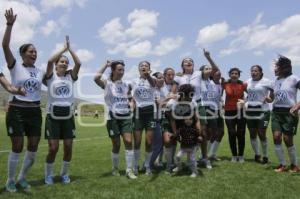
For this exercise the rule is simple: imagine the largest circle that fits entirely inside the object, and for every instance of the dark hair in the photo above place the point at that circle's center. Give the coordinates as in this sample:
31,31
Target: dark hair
61,57
184,61
166,70
146,62
234,69
260,70
186,90
285,65
113,66
24,48
156,74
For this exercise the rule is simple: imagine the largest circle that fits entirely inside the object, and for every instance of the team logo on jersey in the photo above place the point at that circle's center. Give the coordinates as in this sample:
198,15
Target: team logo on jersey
119,90
252,96
281,96
143,93
31,85
62,91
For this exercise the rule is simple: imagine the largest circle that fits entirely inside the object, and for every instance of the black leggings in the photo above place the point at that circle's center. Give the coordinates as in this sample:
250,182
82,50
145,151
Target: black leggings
236,127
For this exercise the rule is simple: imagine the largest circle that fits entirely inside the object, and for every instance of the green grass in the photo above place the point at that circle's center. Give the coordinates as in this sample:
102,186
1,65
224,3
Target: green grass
91,167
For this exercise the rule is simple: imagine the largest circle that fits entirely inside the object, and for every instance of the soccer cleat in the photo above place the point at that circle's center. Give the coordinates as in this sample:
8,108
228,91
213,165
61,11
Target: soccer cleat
24,184
130,174
115,172
294,169
148,171
65,179
194,175
177,169
281,168
234,159
49,180
265,160
241,159
11,187
257,159
214,158
208,164
136,170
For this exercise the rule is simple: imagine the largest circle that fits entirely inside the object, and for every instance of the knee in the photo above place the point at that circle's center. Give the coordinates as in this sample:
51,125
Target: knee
53,149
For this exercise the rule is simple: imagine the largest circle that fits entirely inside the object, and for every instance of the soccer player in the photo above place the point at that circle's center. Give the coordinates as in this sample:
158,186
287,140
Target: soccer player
143,90
284,124
59,122
186,125
259,94
24,117
117,95
10,88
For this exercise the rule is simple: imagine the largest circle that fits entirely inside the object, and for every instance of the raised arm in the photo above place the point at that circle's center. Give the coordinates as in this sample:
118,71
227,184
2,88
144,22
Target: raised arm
210,60
97,78
10,20
75,59
53,59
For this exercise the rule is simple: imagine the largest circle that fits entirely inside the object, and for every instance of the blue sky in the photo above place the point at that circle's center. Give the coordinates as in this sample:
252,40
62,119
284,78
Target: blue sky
237,33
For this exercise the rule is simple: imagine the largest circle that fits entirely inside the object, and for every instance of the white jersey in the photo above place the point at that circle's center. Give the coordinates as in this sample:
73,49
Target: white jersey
161,95
143,92
285,91
257,91
211,94
116,97
60,91
30,78
194,79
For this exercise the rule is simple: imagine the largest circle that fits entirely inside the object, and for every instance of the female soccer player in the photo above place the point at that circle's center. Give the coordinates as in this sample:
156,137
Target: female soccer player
24,116
143,90
119,122
60,107
259,94
284,124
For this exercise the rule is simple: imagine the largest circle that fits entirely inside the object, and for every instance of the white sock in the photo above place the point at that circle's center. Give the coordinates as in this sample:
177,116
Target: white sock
209,145
49,169
147,159
27,163
115,160
293,155
129,159
12,162
264,147
215,148
254,144
280,154
64,168
137,154
168,155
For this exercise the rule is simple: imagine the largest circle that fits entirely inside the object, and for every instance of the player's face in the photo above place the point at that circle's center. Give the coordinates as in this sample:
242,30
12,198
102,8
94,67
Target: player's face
217,76
62,65
188,66
160,80
207,71
234,75
255,73
144,68
169,76
119,71
29,56
277,70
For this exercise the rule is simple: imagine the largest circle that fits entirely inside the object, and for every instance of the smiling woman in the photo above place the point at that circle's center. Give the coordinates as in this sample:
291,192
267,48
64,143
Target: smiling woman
23,110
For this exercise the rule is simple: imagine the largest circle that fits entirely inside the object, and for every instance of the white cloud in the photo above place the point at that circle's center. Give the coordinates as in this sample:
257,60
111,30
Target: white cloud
284,36
85,55
167,45
112,32
212,33
27,17
258,53
58,47
49,27
67,4
132,40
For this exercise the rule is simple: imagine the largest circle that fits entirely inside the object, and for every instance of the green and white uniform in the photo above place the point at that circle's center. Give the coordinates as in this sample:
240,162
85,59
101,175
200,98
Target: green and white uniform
24,114
257,110
60,107
285,92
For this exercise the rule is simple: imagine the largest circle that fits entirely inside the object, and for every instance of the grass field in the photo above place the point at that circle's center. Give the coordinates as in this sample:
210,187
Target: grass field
91,178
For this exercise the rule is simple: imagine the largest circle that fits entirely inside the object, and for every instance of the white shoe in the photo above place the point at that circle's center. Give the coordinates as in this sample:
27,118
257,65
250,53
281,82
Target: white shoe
208,164
148,172
115,172
130,174
241,159
194,175
177,169
234,159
